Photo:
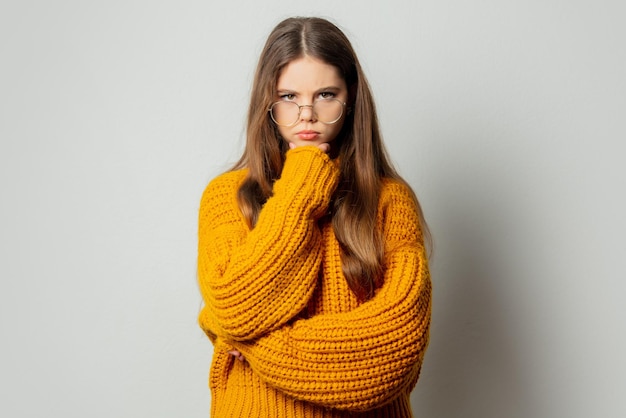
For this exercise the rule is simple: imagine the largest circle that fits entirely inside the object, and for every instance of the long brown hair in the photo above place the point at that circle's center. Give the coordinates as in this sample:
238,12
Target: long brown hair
363,158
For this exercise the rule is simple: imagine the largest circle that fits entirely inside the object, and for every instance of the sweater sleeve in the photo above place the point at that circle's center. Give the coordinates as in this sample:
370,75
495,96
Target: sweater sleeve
365,358
254,281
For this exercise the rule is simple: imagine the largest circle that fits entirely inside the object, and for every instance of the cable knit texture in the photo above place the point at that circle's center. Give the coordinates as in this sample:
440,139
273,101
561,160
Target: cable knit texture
277,294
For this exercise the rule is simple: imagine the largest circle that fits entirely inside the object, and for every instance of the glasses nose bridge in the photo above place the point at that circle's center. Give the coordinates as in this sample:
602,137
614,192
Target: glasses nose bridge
310,106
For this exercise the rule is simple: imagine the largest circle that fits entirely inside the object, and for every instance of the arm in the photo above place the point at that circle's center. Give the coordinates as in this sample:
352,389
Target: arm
255,281
364,358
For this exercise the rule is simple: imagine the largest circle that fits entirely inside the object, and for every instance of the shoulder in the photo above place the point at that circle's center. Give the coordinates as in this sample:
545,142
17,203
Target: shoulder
220,195
225,184
396,192
398,211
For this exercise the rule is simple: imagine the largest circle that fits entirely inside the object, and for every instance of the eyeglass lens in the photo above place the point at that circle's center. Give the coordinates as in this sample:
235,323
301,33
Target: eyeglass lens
326,111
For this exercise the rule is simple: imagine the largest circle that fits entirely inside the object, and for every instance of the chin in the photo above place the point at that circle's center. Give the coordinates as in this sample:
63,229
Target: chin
302,143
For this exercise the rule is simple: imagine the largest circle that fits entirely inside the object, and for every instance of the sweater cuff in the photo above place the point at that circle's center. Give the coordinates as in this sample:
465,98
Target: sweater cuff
308,169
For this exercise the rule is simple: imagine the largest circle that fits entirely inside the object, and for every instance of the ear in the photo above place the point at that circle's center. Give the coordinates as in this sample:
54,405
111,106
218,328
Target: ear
352,91
352,95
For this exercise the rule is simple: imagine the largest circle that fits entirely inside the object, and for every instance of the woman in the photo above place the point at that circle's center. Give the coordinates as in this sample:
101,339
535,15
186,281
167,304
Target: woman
311,256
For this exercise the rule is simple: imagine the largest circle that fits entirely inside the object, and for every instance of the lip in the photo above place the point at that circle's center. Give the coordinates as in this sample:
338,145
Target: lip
307,135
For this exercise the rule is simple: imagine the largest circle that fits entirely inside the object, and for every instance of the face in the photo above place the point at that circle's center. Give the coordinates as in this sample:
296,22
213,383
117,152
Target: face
303,81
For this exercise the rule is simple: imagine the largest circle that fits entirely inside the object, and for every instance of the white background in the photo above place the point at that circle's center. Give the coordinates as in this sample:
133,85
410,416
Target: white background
507,117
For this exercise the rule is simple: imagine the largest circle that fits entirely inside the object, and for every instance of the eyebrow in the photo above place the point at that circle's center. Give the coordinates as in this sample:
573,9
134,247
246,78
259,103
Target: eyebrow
316,91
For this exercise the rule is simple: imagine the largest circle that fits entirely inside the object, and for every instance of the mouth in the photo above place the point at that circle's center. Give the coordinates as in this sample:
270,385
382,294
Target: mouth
308,135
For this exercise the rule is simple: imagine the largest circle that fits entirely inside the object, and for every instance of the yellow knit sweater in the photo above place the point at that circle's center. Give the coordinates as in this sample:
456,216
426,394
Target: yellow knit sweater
277,294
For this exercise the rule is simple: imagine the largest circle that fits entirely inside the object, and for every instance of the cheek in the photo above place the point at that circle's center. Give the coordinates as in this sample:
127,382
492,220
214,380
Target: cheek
283,132
335,129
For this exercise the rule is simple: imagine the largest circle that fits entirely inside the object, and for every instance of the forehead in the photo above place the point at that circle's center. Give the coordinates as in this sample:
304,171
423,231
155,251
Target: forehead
309,73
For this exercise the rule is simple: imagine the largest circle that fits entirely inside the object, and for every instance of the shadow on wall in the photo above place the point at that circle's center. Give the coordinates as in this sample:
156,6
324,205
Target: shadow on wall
474,366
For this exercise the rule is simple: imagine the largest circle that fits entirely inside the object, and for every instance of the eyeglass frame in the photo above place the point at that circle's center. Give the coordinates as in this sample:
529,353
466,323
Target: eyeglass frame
343,107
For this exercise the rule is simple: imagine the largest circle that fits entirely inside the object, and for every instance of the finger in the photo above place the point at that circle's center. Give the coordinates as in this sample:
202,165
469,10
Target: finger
237,355
292,145
324,147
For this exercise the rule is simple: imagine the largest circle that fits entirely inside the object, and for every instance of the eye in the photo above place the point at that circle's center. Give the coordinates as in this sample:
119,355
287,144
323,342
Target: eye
327,95
287,97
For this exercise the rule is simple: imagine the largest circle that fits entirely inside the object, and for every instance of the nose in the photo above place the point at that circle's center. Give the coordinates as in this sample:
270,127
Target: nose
307,113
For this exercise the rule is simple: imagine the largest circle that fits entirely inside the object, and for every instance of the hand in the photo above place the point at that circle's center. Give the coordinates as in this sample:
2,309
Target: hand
237,355
325,147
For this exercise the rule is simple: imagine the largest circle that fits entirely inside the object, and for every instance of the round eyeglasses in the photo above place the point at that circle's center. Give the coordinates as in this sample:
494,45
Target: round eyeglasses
327,111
